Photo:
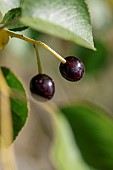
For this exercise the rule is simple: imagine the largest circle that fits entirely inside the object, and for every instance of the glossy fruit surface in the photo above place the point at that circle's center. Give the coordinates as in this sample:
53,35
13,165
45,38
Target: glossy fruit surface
73,69
42,85
4,38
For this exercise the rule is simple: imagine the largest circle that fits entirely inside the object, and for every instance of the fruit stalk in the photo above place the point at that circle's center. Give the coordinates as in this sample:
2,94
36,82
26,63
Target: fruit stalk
34,42
38,60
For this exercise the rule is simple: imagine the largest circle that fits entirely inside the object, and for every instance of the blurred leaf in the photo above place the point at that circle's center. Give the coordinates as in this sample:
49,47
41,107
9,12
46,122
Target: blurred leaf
65,152
94,61
69,20
93,132
6,5
34,34
12,17
19,106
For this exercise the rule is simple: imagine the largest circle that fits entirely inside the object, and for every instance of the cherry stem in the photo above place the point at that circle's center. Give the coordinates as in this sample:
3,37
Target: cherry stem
38,60
34,42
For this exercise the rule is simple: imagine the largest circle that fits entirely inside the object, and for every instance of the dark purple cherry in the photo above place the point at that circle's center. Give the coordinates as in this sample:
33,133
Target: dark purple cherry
73,69
43,86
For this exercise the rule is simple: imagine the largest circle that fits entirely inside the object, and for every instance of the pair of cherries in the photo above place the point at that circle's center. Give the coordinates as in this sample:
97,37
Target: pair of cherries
43,86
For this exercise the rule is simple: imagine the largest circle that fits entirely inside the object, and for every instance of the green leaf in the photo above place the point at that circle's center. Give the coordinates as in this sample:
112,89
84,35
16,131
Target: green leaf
67,19
6,5
93,131
19,105
65,152
12,19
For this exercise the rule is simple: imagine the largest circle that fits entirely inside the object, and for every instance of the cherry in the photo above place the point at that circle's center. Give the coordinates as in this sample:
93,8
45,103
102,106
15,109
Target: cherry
73,69
43,86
